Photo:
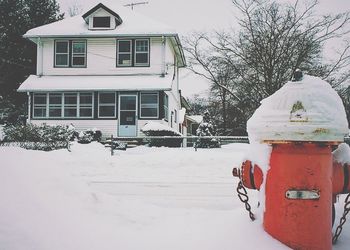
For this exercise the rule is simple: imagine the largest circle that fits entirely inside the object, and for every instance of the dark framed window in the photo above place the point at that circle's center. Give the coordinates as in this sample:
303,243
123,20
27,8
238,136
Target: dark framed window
63,105
101,22
107,105
70,53
133,53
70,105
149,105
78,53
39,105
141,52
62,53
55,105
124,53
85,105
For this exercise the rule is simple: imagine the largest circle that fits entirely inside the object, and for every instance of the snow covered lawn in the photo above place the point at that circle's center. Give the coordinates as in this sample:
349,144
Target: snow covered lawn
143,198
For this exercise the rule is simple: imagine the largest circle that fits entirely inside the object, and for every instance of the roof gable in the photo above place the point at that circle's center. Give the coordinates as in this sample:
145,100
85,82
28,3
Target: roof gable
102,6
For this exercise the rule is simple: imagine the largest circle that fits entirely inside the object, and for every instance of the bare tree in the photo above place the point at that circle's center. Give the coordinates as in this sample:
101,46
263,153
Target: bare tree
273,40
75,8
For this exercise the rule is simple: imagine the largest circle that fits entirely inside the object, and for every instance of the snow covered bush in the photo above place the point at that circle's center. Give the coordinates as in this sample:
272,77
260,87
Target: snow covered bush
89,135
39,137
157,129
207,128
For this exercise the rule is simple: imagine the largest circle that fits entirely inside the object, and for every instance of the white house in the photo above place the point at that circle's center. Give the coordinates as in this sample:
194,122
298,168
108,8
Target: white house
110,69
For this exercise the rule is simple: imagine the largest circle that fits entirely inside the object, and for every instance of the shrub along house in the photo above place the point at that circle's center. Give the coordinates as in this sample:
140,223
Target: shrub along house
110,69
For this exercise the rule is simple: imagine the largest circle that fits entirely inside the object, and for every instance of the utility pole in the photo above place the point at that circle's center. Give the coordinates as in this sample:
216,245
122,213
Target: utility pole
133,4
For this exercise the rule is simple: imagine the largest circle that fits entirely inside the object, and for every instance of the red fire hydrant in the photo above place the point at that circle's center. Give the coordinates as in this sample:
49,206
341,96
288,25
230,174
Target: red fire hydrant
302,123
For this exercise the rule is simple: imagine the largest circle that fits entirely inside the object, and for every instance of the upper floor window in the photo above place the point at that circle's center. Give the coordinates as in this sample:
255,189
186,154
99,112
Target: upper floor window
70,53
101,22
133,52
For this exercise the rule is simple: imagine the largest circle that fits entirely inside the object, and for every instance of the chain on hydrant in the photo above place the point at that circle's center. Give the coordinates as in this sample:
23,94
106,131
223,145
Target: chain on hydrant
242,195
342,219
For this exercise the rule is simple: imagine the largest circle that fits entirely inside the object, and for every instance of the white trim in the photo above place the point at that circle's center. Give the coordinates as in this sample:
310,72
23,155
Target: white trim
152,117
107,104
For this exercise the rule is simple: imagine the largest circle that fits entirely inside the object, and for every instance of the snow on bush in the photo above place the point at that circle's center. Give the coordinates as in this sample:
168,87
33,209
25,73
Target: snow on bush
89,135
158,129
39,137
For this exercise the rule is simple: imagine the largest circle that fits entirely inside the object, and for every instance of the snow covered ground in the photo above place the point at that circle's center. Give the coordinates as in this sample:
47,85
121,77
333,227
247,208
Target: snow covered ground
143,198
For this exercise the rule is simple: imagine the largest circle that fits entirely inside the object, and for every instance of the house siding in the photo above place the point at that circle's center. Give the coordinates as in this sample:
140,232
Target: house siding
101,58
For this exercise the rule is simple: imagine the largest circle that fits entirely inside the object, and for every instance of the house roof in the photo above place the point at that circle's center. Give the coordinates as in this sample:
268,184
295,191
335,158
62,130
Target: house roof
133,24
195,118
96,83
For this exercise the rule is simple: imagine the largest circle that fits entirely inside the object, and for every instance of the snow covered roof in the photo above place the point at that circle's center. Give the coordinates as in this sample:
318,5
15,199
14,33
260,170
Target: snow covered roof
133,24
195,118
305,110
96,83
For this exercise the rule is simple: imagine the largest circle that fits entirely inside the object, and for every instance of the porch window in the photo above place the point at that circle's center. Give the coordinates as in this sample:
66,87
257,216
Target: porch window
149,105
62,53
70,105
106,105
166,107
39,104
63,105
85,105
55,105
124,53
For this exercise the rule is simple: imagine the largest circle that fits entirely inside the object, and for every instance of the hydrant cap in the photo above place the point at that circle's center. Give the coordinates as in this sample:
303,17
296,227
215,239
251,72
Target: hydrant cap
305,110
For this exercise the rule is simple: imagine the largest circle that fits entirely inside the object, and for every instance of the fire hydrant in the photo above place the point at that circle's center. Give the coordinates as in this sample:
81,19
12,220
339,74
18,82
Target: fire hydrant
302,123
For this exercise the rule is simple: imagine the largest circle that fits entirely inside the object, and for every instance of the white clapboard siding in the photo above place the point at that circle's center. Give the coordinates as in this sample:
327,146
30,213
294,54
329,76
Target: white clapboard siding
107,127
101,59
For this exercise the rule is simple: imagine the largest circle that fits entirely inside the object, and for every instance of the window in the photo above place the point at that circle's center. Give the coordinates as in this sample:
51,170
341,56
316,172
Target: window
63,105
78,53
86,105
39,105
62,54
149,105
166,107
70,105
124,53
70,53
55,105
141,52
106,104
133,52
101,22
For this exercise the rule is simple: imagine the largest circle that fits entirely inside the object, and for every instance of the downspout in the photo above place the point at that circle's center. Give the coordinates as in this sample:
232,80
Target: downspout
163,57
29,107
39,64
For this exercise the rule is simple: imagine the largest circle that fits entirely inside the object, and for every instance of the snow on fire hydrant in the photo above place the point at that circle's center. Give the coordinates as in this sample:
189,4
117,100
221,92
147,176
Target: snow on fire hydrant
301,124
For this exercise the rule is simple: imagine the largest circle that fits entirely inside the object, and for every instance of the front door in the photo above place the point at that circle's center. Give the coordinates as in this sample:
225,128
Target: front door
127,115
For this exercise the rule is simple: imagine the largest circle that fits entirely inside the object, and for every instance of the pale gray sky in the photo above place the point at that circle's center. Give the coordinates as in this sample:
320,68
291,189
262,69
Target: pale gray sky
197,15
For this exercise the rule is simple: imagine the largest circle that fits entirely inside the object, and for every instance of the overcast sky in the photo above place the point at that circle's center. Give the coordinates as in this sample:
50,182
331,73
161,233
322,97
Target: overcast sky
196,15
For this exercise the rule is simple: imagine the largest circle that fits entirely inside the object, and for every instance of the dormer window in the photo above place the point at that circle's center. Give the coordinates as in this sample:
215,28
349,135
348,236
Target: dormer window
101,22
101,18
